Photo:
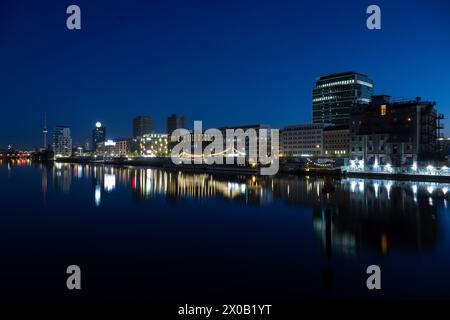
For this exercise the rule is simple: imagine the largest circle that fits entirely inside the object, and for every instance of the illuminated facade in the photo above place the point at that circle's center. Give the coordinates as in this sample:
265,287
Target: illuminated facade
98,134
335,95
394,134
116,148
336,141
151,145
304,139
62,142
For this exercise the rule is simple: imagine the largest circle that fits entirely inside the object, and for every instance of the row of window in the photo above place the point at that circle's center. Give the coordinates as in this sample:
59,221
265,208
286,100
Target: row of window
335,83
382,148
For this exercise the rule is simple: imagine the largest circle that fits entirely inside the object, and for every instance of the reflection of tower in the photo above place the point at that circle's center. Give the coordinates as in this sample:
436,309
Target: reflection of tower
328,243
44,183
45,131
328,272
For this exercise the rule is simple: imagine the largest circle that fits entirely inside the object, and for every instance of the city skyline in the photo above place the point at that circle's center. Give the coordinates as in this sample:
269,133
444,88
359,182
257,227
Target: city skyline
224,158
225,74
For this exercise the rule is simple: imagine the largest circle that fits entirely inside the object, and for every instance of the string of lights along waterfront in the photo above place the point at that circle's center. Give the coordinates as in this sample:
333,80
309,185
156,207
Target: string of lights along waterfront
352,130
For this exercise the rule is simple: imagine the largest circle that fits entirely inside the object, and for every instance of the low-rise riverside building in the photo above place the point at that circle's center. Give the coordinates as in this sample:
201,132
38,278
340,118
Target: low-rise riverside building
151,145
302,140
386,134
336,141
113,148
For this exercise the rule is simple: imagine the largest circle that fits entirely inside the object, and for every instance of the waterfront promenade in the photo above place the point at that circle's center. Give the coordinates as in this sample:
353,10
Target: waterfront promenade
419,174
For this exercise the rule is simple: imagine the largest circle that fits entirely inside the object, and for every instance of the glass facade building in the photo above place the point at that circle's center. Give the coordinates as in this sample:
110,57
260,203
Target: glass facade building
62,142
98,135
336,94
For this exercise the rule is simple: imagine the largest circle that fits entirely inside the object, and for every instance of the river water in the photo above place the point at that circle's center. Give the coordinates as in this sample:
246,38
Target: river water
148,233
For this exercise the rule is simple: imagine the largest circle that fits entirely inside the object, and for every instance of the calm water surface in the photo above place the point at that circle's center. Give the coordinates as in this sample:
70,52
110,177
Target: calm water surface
166,235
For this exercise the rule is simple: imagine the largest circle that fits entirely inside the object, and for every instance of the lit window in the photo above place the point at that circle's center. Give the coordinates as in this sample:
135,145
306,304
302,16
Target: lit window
383,110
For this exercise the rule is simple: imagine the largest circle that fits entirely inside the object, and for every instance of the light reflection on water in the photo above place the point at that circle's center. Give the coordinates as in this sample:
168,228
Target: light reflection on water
148,182
346,218
379,213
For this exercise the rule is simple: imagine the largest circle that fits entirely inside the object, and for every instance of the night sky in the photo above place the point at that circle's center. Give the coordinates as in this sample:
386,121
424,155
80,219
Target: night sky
227,62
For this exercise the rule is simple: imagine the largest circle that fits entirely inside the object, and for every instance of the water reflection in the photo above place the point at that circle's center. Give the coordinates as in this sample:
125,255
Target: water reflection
348,216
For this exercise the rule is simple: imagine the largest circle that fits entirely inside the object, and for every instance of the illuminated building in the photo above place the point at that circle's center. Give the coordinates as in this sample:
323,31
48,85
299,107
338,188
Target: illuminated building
113,148
62,142
335,95
394,133
444,146
302,140
98,135
336,141
142,125
151,145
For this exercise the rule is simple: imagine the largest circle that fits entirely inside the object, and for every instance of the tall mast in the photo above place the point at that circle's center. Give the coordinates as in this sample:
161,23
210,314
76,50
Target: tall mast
45,131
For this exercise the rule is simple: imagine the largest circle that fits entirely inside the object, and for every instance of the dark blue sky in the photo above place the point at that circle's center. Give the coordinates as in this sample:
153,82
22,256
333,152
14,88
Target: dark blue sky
224,62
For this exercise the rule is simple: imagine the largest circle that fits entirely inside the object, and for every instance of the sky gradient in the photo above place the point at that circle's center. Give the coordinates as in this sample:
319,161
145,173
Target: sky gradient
231,62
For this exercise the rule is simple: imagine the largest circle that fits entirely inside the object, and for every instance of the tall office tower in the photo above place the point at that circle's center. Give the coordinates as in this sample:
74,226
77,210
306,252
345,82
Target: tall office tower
98,135
175,121
335,95
142,125
62,142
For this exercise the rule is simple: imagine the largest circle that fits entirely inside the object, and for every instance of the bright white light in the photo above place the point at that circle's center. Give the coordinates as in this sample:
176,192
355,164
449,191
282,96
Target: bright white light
388,167
98,195
110,143
361,186
430,167
110,182
98,124
444,190
444,168
352,163
388,189
414,189
361,163
376,186
430,189
414,166
353,186
375,164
